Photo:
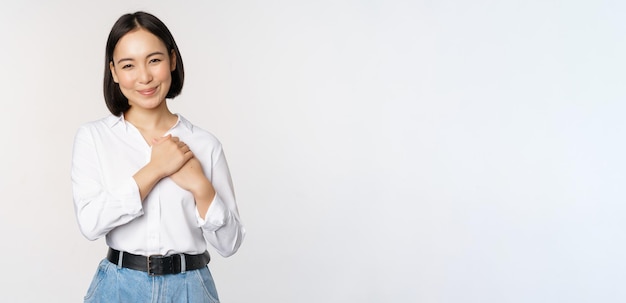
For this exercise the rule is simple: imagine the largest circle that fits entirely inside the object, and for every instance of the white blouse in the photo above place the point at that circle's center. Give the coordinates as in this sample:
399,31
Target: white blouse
108,152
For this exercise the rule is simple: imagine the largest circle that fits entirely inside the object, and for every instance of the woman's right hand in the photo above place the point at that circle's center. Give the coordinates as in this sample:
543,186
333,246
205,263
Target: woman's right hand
169,154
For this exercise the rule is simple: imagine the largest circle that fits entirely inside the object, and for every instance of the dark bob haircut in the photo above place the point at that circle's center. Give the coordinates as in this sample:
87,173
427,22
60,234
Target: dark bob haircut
115,100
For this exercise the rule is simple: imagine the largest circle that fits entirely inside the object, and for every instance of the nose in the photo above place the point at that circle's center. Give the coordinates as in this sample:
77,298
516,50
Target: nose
145,76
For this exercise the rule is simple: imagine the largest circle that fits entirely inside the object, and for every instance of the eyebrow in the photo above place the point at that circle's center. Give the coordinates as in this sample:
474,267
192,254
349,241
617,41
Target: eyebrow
148,56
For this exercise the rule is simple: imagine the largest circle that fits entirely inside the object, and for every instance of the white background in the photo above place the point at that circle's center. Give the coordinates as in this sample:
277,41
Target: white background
382,151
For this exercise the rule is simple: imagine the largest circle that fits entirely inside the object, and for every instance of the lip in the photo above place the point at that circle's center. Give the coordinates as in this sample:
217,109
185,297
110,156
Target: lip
148,91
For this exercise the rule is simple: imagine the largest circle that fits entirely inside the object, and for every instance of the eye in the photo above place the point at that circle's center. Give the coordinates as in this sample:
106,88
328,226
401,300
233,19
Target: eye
155,60
127,66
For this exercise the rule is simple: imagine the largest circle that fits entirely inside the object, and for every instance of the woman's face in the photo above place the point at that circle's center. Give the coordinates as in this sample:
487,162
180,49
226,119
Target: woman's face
142,67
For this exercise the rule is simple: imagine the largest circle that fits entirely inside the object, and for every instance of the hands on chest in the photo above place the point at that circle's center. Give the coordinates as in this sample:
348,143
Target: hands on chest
172,158
179,163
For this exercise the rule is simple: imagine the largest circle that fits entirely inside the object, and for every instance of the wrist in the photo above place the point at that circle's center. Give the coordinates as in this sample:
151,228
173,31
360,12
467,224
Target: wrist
156,170
204,197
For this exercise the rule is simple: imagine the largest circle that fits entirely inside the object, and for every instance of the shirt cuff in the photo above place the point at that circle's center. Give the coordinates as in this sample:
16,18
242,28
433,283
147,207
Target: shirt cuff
215,216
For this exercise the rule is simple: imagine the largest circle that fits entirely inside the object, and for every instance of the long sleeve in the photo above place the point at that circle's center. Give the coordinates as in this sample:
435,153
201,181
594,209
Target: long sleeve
222,227
99,207
108,152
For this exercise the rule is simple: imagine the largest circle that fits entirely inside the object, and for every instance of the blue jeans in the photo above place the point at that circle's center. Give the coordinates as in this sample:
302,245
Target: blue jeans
120,285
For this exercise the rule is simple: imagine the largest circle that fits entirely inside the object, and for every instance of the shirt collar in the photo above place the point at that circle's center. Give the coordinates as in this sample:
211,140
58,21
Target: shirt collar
113,120
184,122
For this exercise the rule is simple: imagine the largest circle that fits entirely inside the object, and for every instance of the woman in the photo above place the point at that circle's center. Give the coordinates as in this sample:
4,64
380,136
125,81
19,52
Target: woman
155,185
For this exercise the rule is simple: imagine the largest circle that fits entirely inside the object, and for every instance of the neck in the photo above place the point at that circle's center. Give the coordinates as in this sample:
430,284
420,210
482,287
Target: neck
150,119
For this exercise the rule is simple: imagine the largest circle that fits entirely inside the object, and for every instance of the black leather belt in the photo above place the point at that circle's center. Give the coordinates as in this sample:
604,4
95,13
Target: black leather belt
157,265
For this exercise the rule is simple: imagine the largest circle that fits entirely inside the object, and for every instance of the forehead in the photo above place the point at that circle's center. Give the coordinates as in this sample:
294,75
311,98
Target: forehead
138,43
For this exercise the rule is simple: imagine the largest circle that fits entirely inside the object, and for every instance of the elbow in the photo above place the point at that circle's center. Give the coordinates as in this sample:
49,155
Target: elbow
88,222
90,233
89,229
227,252
233,246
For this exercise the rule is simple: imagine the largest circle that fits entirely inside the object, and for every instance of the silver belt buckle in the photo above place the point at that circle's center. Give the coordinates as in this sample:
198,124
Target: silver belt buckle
149,263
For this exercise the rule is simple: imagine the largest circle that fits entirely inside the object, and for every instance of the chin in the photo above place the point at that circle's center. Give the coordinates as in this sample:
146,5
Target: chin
147,104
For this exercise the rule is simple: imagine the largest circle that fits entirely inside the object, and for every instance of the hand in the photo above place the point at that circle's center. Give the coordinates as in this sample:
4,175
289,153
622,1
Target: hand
191,177
169,154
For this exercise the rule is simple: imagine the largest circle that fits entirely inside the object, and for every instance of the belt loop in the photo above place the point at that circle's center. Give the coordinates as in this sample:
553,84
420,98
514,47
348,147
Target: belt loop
183,263
120,259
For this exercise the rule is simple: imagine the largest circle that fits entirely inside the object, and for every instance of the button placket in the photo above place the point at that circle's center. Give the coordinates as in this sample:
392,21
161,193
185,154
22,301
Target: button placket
153,206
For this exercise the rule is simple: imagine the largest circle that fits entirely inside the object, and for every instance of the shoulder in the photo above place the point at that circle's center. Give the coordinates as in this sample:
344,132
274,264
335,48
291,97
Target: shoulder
200,136
98,125
205,146
107,121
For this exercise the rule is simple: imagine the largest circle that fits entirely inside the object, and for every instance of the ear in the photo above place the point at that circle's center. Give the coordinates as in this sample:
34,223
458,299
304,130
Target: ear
112,68
172,61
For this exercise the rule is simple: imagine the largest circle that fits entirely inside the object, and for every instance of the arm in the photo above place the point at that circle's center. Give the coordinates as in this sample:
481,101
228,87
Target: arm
222,225
191,177
217,211
100,207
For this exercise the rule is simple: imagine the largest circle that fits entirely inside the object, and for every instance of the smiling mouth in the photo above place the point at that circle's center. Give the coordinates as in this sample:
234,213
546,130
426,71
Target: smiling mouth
147,92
